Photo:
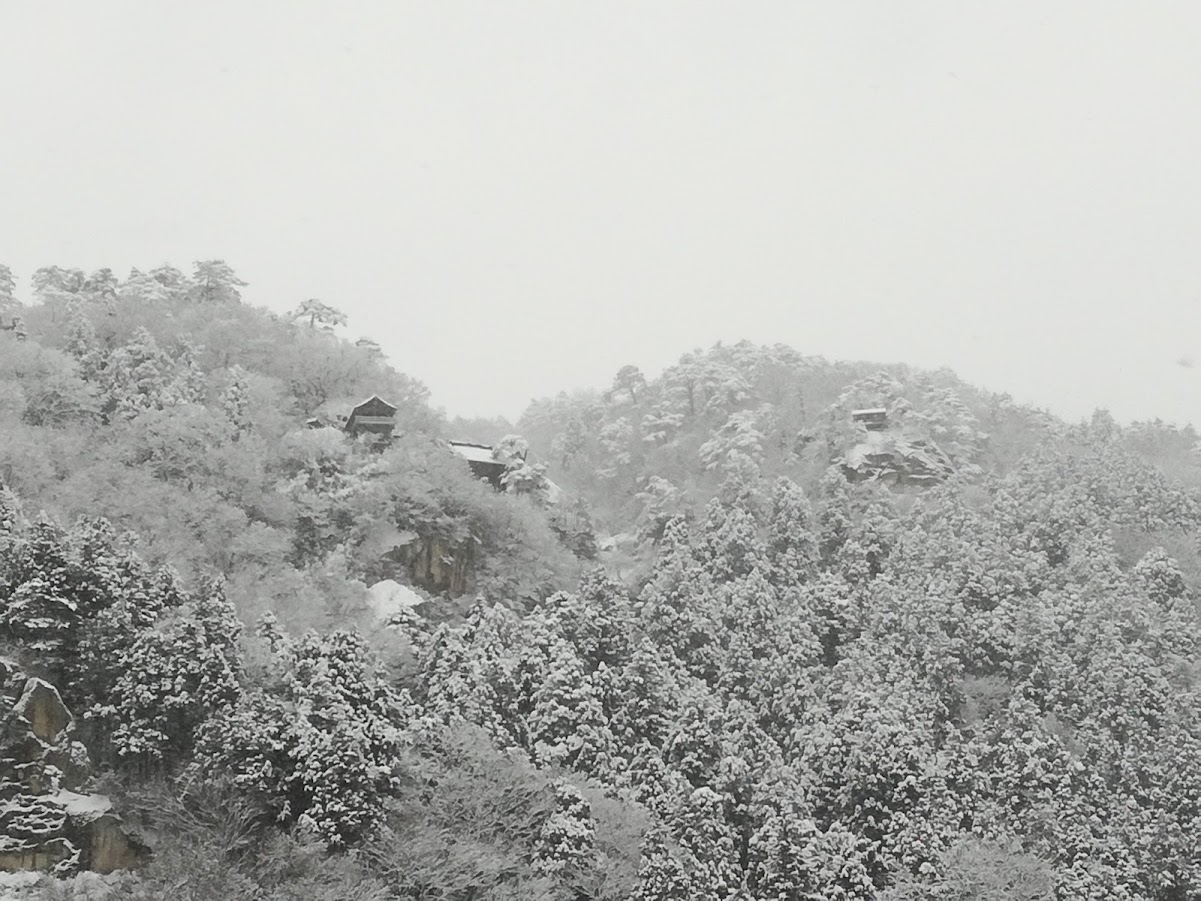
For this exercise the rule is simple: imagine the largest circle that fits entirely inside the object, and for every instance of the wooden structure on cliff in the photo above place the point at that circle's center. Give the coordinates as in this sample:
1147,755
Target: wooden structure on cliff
483,463
374,416
874,420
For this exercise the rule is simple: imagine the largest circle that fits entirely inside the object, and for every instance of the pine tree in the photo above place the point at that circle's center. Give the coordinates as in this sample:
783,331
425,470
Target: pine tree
143,287
136,378
121,597
521,477
175,285
662,423
564,849
454,685
176,676
314,311
833,516
643,704
8,288
793,860
742,486
41,609
1160,575
867,764
617,444
101,287
11,519
740,434
675,607
792,549
235,402
187,383
52,283
701,829
693,747
567,723
629,380
661,501
213,281
788,678
749,608
83,344
729,546
570,444
663,874
749,756
348,741
320,744
597,619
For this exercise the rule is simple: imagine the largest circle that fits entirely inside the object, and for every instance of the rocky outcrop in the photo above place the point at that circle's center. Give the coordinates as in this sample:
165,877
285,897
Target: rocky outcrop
47,822
436,566
893,459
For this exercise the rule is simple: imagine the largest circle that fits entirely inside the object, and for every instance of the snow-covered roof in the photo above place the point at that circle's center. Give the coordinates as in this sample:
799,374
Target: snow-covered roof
373,398
871,411
475,453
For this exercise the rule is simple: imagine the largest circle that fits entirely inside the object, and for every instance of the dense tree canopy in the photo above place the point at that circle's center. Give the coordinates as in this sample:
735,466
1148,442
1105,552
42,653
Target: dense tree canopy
777,679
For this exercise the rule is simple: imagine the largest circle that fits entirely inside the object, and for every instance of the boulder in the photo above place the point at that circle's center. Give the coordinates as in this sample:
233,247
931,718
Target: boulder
94,827
45,824
42,707
37,753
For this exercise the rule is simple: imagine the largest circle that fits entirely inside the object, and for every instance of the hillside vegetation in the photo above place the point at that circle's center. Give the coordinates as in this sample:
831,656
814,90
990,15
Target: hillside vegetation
719,662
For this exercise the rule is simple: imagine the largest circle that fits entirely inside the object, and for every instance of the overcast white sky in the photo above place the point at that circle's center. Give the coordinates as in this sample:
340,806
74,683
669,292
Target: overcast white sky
515,198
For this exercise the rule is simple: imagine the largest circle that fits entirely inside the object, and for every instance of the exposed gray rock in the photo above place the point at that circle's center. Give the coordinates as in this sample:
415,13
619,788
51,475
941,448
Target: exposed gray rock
45,824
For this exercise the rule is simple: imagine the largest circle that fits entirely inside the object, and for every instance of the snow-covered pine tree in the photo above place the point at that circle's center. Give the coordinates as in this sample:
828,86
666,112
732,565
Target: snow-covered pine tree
701,828
235,402
137,377
792,548
565,847
567,723
676,608
175,677
665,874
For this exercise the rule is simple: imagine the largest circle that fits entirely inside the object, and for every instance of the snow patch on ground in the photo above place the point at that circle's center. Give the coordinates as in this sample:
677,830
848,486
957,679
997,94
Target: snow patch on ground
388,598
77,805
17,880
35,886
621,541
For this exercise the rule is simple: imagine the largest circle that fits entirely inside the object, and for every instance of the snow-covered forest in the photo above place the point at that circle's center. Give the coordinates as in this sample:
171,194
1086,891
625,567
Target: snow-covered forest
718,638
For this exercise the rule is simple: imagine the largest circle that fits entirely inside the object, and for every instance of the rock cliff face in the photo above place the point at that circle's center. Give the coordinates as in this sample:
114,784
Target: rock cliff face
438,567
891,458
45,824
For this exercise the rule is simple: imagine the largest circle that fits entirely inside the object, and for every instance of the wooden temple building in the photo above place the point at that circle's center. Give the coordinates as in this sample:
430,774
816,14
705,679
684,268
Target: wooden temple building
481,460
874,419
374,416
